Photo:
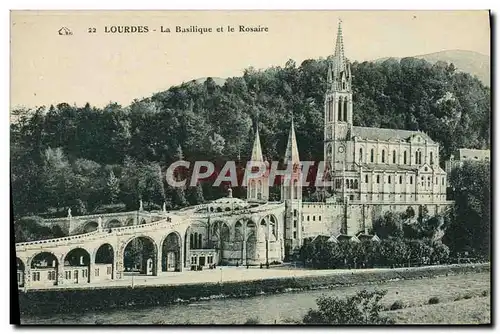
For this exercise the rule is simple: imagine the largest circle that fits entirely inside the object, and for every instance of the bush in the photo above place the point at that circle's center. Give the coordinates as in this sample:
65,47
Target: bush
397,305
362,308
485,293
433,300
252,321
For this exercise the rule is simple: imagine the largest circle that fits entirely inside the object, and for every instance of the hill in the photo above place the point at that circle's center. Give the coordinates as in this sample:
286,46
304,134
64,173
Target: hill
471,62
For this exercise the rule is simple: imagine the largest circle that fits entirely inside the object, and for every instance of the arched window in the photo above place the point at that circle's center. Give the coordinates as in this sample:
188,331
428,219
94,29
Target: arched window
199,241
195,241
378,178
366,178
339,109
400,179
191,244
394,156
420,158
347,183
345,110
431,160
360,154
351,183
383,156
372,154
389,179
404,158
411,179
296,189
355,184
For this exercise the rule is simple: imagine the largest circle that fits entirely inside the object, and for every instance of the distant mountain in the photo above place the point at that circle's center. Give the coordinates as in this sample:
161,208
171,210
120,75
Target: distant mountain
466,61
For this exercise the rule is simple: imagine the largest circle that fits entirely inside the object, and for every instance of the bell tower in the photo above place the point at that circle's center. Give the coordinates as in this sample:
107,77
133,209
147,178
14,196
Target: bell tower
338,109
291,194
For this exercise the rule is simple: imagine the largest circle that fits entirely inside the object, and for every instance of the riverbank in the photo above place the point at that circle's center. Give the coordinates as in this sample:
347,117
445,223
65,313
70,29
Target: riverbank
105,298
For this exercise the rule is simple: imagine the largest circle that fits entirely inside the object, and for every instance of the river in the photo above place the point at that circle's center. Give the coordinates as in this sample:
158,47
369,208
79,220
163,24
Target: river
270,308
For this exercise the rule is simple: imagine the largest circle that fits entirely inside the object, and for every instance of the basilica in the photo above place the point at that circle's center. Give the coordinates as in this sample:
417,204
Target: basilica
371,170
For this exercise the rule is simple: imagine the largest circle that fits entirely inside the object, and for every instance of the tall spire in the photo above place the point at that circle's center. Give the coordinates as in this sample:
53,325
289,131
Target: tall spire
257,149
338,56
292,152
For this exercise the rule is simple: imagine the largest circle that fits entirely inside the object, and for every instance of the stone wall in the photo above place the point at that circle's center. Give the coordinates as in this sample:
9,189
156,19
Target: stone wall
352,218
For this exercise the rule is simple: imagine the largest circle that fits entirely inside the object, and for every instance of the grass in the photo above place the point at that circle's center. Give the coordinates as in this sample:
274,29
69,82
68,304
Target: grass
470,311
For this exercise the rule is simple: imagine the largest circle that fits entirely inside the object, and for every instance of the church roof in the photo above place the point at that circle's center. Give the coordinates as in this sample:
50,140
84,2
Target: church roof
387,134
389,167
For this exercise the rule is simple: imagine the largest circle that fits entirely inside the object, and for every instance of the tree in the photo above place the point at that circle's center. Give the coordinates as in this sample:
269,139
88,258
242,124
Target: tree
388,225
364,308
469,228
113,185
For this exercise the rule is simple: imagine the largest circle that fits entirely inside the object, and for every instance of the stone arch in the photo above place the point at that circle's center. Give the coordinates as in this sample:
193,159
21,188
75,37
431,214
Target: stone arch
259,189
339,109
329,152
140,255
171,252
296,189
129,222
143,221
44,268
251,231
251,242
239,232
197,234
103,259
90,226
345,106
77,265
361,157
273,221
113,223
225,233
21,272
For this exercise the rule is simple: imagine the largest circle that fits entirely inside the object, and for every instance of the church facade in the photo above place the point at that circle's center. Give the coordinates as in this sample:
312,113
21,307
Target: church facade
371,170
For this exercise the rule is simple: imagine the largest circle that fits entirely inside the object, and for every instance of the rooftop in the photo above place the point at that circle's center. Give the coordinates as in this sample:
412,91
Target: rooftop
387,134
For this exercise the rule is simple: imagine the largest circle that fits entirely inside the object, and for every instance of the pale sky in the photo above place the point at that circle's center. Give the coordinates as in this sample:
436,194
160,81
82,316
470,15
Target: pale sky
100,67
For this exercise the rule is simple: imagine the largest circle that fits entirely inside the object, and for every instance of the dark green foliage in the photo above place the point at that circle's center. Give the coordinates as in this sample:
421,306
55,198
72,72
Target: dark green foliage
433,300
469,225
32,228
397,305
391,252
64,153
362,309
